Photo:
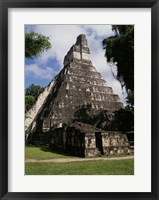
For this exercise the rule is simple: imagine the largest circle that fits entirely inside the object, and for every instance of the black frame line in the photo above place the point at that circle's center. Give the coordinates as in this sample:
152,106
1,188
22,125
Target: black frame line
4,6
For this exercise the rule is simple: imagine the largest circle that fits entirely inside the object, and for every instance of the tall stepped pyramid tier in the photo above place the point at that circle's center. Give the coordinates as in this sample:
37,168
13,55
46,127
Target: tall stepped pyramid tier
77,94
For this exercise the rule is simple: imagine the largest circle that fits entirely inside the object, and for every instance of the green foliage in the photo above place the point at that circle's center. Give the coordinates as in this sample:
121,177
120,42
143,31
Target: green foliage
120,50
29,101
34,90
109,167
31,95
124,120
130,102
130,99
35,44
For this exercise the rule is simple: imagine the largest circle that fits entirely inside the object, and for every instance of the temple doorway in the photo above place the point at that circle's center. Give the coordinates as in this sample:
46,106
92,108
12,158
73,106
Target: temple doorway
99,142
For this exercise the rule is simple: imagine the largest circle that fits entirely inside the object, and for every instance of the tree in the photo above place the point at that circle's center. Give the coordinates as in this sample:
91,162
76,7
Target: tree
31,95
130,102
29,101
35,44
34,90
120,50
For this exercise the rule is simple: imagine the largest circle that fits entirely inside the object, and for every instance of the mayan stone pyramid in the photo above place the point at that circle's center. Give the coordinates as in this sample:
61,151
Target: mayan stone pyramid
77,94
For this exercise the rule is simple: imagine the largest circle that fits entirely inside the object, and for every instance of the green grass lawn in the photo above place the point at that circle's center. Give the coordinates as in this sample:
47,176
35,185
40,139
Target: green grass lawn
41,153
110,167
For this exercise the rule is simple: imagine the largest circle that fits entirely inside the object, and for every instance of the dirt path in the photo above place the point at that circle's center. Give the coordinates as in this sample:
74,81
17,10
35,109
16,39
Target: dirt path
65,160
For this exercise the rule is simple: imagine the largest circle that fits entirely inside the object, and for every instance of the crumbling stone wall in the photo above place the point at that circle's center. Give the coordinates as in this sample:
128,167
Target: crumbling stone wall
84,140
68,139
115,143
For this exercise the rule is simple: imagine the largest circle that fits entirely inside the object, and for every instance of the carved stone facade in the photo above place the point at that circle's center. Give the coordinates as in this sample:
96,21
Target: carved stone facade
87,141
78,94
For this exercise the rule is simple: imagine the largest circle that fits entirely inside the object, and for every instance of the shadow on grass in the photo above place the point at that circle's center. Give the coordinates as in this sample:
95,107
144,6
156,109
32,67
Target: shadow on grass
58,152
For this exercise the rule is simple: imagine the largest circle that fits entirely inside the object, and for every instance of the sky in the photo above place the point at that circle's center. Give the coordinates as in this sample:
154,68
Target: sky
42,69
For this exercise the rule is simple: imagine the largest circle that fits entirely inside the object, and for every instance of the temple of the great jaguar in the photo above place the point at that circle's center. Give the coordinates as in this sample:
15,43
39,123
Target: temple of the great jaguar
78,112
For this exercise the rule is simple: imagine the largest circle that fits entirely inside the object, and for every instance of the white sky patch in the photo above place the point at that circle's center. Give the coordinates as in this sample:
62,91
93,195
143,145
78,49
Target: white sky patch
101,30
38,72
62,37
